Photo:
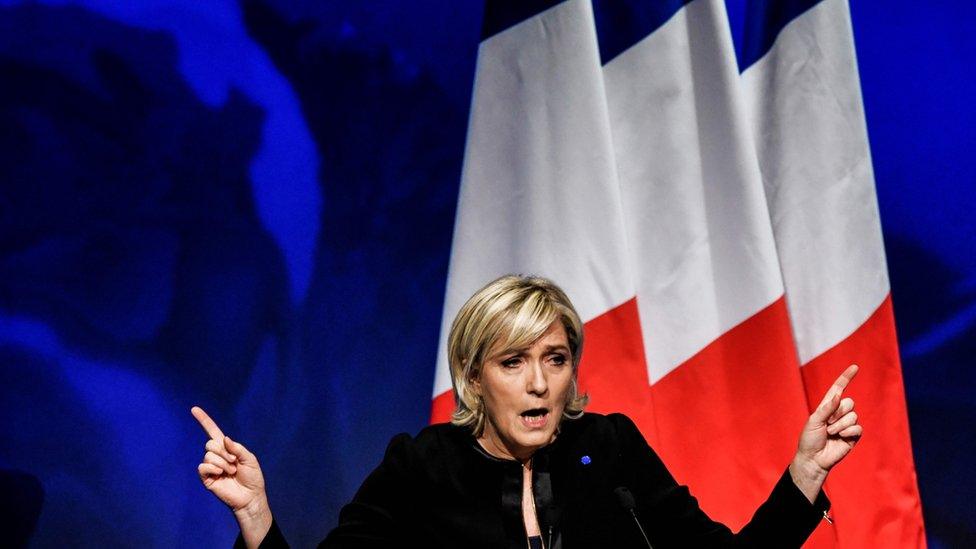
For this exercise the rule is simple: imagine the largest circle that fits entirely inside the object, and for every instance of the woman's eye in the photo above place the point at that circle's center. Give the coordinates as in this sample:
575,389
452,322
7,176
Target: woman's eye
558,359
510,362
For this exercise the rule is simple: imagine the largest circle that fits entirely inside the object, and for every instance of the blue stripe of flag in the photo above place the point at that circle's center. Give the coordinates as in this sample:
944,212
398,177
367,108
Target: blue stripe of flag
503,14
622,23
763,21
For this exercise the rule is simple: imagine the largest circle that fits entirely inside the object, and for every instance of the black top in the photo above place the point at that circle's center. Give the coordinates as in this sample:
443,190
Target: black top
441,489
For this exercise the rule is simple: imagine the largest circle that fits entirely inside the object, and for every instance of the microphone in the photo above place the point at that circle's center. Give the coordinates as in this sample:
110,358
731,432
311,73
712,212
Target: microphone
626,501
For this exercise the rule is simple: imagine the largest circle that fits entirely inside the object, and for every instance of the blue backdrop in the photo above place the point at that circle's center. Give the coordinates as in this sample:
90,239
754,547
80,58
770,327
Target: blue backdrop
249,205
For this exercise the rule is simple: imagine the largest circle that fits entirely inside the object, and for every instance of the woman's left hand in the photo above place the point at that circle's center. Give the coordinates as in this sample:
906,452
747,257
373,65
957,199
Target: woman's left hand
828,436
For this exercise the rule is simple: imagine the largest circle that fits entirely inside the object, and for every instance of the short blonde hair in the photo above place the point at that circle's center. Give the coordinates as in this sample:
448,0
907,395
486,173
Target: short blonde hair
510,312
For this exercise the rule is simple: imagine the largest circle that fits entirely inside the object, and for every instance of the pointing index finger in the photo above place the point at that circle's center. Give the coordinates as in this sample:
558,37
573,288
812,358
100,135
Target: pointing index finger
832,399
208,424
841,382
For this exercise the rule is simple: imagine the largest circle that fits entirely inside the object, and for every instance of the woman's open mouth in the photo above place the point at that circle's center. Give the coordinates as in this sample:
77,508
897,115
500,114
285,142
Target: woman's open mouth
535,418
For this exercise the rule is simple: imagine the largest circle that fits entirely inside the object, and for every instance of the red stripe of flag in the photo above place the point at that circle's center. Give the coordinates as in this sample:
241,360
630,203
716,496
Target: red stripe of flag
881,506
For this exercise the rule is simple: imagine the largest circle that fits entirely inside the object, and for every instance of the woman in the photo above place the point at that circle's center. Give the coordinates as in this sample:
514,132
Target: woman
521,465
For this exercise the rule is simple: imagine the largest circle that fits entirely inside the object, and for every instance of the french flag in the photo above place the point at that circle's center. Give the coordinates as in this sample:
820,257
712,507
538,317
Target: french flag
616,148
804,98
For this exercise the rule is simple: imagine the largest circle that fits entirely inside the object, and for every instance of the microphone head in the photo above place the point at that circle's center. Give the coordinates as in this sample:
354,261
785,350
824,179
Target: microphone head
624,498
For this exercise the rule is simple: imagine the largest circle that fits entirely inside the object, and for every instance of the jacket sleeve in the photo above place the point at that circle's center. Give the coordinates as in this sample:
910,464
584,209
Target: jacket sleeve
673,517
274,539
367,521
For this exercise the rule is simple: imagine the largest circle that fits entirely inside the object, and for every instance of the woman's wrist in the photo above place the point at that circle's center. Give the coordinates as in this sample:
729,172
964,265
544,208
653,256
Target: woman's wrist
807,476
255,521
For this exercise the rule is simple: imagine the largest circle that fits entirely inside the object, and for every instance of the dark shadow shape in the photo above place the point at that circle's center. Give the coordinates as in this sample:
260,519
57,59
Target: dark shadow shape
21,500
939,385
391,144
127,221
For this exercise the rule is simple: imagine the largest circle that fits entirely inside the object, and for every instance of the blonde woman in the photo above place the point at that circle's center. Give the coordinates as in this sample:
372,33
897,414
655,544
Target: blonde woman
521,464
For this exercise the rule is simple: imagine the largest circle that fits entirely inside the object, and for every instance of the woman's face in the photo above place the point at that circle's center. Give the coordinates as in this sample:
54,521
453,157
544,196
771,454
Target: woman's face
524,391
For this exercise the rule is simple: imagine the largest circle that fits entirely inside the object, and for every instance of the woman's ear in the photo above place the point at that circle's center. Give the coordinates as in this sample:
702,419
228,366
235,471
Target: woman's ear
474,381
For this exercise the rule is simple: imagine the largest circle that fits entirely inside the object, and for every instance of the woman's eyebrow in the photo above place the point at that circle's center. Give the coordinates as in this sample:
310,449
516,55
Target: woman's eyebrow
510,352
522,350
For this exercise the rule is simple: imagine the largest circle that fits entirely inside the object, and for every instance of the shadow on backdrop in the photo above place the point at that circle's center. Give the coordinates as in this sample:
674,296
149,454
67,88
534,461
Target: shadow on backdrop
137,279
133,266
391,145
935,312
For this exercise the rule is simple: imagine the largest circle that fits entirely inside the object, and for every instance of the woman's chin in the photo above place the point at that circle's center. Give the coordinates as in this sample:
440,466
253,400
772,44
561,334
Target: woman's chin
535,437
521,438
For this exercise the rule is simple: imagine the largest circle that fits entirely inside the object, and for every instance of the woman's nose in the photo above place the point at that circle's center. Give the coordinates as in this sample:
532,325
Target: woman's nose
537,383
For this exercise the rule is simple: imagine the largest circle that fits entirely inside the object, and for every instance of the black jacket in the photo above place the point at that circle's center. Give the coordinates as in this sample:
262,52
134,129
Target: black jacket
441,489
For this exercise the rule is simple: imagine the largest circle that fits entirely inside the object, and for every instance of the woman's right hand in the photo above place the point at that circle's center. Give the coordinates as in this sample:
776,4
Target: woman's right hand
233,474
